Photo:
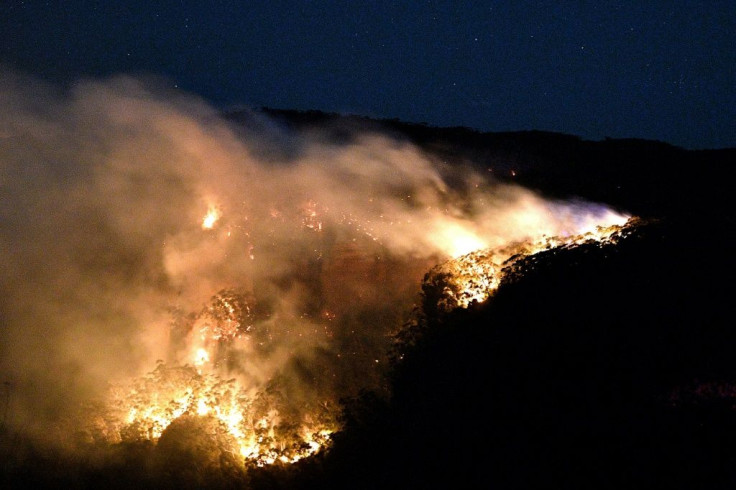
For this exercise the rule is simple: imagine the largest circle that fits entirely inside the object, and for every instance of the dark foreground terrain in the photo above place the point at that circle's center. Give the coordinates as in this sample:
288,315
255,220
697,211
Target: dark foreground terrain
592,367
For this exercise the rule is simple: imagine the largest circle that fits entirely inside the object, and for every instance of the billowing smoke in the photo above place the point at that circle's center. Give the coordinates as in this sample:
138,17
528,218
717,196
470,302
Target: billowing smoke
130,213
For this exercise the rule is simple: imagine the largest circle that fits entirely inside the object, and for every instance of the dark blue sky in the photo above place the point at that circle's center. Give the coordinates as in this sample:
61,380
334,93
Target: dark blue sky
663,70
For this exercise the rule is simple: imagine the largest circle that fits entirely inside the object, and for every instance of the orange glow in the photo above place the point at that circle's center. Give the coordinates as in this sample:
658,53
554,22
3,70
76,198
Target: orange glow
164,395
457,241
201,357
153,402
475,276
265,429
212,216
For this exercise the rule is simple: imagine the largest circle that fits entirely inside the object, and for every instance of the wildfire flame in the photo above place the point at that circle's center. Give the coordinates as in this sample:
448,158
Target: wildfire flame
320,243
458,241
201,357
212,216
252,419
475,276
152,403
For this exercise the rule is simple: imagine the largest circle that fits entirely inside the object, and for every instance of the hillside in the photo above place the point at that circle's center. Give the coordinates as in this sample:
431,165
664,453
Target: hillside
591,366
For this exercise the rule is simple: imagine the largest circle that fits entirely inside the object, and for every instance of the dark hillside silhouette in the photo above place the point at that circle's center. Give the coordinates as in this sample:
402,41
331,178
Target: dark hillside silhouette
564,379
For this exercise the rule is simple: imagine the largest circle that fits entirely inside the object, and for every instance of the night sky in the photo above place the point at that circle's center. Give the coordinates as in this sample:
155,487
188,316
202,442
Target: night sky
662,70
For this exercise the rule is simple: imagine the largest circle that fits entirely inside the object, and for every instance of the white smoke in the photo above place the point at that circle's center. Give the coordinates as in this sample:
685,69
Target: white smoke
104,186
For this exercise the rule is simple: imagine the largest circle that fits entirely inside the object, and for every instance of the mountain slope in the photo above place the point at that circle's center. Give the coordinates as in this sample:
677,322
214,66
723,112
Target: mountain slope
564,378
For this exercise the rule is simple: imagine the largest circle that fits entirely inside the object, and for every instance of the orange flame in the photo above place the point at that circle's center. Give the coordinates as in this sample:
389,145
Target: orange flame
212,216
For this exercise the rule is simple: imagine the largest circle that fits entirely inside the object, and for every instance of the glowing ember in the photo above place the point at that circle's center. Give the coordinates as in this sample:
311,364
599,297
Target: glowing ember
201,357
310,217
209,220
229,315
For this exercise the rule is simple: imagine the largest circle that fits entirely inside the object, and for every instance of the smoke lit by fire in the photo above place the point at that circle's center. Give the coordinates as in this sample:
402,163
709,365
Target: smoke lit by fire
126,289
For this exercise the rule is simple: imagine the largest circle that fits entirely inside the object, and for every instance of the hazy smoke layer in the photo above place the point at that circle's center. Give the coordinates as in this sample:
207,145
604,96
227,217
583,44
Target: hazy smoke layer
124,204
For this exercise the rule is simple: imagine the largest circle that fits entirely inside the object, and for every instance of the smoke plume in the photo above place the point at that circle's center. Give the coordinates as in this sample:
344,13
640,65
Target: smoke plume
127,209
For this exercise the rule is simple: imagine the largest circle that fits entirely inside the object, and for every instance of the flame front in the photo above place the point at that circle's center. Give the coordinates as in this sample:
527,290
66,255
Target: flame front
152,403
268,278
475,276
155,401
262,427
252,417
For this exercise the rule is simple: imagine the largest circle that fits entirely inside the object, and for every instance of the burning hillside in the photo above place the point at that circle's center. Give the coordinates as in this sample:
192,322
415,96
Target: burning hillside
475,276
256,278
260,426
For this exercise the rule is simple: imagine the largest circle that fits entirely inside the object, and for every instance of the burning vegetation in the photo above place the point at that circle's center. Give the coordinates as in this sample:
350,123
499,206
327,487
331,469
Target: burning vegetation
249,320
475,276
258,426
252,426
